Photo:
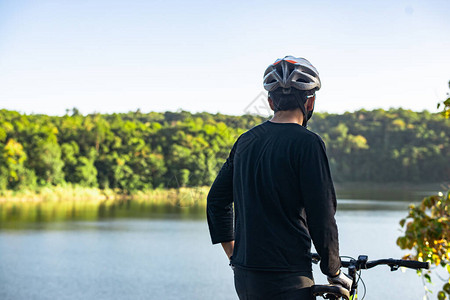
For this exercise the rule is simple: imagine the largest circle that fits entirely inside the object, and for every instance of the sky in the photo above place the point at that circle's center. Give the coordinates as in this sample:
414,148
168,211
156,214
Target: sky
120,56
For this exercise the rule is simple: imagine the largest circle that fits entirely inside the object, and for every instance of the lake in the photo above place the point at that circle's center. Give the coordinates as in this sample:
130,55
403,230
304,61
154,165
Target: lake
130,250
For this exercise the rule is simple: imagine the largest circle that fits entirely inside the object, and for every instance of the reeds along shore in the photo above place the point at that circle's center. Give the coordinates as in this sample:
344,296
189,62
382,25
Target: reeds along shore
184,196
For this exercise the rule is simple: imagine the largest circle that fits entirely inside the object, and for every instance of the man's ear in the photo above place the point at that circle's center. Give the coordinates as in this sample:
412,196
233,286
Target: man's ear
310,103
272,107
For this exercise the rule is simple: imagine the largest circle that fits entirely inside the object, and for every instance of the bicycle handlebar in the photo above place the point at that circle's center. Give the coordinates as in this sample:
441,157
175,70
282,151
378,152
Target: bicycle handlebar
363,263
411,264
355,265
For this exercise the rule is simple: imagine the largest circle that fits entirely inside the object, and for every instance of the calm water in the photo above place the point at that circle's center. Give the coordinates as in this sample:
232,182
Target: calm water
131,250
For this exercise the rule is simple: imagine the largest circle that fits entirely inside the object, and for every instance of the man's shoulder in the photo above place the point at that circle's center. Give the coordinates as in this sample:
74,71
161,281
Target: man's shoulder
257,130
312,136
303,135
298,133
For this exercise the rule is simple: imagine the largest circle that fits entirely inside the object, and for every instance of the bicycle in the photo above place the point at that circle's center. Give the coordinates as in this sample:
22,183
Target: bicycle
354,266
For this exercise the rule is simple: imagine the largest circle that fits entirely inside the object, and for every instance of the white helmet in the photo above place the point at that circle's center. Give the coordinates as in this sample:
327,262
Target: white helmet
289,72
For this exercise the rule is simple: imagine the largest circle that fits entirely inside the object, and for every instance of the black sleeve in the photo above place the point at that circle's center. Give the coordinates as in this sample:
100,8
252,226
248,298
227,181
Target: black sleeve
219,207
320,204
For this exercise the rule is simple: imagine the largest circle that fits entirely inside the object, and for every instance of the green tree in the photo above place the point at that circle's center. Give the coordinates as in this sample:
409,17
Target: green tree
13,167
46,162
136,150
85,172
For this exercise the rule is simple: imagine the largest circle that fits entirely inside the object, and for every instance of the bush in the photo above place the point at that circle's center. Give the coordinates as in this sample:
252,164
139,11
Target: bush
428,233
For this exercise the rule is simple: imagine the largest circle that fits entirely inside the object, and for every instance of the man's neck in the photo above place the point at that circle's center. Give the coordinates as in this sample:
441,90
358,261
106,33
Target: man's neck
288,116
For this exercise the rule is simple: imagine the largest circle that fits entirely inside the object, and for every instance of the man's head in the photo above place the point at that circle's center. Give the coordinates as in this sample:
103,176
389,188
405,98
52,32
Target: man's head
291,83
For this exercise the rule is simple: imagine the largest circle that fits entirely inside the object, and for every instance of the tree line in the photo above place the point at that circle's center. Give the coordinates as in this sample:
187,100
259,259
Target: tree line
138,151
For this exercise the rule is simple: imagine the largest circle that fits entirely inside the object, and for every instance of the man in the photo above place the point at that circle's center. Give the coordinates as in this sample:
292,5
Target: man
278,177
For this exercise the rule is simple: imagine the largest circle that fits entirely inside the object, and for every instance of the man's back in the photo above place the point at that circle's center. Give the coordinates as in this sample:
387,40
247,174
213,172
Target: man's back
280,175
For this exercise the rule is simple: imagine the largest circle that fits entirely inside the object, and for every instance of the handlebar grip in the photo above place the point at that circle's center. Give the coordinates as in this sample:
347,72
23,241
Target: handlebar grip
412,264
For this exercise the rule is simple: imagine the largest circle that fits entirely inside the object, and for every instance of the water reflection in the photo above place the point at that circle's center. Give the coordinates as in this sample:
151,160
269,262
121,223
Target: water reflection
372,205
389,194
20,215
17,215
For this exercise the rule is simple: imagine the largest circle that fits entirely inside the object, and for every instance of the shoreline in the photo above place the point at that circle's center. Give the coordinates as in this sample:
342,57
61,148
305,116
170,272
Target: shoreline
178,196
184,196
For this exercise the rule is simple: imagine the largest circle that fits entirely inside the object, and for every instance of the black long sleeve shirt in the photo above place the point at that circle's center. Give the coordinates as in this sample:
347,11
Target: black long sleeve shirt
278,177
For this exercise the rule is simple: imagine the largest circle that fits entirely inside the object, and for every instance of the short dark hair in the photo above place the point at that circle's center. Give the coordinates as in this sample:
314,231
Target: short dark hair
290,101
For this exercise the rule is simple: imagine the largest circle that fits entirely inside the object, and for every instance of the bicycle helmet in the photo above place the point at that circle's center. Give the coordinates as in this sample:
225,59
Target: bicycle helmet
292,72
289,72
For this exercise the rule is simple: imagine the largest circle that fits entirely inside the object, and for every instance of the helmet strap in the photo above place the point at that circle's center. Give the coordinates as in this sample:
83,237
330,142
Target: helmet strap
301,105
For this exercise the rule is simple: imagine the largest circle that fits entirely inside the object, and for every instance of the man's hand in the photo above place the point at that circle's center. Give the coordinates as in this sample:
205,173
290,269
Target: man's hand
228,248
341,279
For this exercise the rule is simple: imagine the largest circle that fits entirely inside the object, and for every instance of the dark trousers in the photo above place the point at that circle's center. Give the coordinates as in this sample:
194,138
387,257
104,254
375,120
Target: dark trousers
261,285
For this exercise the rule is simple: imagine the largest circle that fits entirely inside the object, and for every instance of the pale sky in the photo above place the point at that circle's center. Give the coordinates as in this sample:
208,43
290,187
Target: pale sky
118,56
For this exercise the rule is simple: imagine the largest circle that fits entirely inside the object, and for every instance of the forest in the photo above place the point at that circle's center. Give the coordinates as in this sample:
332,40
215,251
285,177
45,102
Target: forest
140,151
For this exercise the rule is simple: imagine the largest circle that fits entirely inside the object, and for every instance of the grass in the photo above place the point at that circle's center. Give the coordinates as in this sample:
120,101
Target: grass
184,196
